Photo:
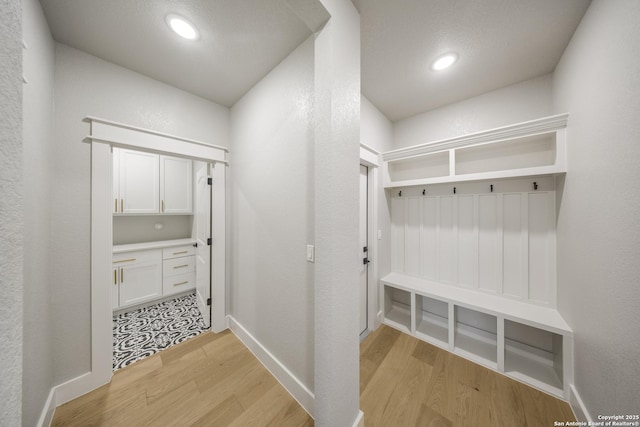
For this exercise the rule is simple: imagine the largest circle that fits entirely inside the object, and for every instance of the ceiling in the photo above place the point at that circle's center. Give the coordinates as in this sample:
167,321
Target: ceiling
499,42
240,40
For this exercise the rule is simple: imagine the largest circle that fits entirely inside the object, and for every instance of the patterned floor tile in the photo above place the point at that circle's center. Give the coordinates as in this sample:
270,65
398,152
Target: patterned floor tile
141,333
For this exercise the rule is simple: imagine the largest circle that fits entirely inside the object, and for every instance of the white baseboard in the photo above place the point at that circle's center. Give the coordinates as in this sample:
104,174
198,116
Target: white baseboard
298,390
46,417
380,318
359,422
80,385
577,405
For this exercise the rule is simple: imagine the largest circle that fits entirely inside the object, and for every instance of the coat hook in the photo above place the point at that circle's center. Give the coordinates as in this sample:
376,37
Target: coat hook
400,193
492,188
454,190
535,185
424,191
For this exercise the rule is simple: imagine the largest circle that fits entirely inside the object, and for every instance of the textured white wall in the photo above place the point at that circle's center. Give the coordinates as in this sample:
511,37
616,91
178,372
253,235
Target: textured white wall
272,212
524,101
11,212
39,63
86,85
376,130
598,82
336,178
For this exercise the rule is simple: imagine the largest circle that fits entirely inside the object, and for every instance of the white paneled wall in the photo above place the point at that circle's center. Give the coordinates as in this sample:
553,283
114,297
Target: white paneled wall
500,241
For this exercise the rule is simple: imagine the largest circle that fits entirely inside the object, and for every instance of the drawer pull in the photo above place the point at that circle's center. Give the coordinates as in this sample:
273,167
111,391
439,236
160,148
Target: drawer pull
181,252
115,277
181,283
124,260
121,275
181,266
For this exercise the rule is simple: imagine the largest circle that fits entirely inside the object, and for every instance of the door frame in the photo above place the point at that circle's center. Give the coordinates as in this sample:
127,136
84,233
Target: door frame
105,134
370,158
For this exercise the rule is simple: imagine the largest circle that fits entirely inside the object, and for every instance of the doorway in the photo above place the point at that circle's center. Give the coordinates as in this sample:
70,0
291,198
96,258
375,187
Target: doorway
363,283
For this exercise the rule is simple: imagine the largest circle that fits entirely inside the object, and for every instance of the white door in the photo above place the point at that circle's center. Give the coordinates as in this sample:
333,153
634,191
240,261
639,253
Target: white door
364,268
203,234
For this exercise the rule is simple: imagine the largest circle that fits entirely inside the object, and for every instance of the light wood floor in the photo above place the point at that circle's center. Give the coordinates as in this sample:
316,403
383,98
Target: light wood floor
213,380
407,382
209,380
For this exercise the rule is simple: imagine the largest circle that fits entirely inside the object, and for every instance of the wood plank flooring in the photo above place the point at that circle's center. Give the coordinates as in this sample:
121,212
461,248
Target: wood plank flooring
407,382
209,380
213,380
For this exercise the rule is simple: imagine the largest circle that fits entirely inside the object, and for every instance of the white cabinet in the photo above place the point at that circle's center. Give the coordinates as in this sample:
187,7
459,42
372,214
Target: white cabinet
178,270
175,185
145,183
137,277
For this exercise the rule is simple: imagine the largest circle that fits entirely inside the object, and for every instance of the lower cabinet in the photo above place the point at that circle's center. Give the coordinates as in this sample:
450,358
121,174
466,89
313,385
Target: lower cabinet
137,277
142,276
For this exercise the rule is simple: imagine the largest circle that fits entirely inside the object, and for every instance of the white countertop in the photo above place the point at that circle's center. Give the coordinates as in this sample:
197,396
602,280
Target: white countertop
119,249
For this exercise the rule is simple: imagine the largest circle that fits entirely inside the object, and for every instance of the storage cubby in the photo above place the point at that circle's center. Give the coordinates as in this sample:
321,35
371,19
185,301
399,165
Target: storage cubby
476,336
397,308
432,321
534,151
535,356
428,166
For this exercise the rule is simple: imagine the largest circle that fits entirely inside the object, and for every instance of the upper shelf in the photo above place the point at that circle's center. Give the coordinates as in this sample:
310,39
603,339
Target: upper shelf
536,147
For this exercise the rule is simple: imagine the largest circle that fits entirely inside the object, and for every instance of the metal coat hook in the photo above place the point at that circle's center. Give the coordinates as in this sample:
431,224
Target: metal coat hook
424,191
400,193
454,190
535,185
492,188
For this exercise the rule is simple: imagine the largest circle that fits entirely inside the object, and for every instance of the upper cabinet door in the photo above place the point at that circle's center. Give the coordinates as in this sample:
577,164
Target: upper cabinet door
139,186
175,186
115,177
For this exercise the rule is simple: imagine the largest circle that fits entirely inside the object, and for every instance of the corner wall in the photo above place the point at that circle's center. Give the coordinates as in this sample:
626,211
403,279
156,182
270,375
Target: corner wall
86,85
39,63
272,211
11,212
598,82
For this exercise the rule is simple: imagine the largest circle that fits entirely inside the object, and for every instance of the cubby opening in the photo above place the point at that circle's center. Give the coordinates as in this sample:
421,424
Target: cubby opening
476,336
427,166
534,355
533,151
432,321
397,308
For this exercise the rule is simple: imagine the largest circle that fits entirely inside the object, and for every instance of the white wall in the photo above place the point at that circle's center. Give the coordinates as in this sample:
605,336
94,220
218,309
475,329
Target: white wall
520,102
272,212
11,211
39,65
598,82
86,85
376,130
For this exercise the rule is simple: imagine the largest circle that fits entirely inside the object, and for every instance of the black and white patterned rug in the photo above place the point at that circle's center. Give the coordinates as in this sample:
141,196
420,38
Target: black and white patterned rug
148,330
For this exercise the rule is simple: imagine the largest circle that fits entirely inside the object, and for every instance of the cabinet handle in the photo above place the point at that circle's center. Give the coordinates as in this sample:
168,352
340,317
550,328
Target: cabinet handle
115,277
116,200
181,283
181,252
181,266
163,206
124,260
122,205
121,275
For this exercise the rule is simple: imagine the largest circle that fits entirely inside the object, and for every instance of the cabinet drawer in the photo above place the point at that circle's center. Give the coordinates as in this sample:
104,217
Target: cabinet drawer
178,283
178,251
127,258
182,265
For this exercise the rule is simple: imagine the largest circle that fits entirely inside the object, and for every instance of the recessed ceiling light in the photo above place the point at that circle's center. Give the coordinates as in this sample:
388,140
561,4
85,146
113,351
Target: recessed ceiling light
182,27
444,61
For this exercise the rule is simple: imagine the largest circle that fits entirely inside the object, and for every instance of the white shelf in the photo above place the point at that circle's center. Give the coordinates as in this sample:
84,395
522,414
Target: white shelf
432,322
530,314
474,343
533,371
536,147
399,317
119,249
